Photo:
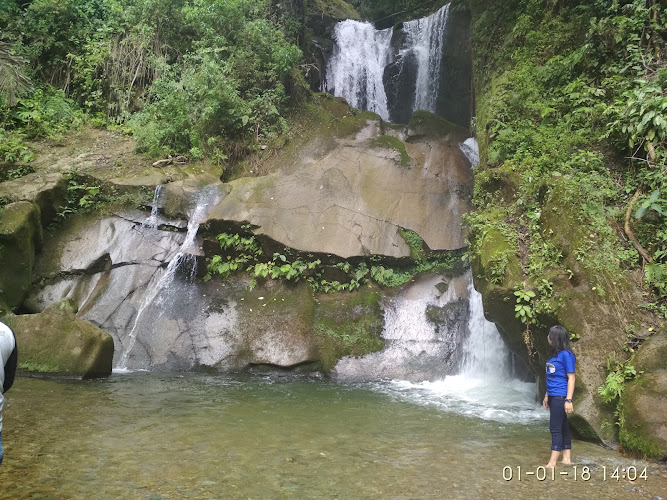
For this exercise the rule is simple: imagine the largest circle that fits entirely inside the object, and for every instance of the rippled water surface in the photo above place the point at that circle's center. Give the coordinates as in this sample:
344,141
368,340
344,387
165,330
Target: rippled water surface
169,436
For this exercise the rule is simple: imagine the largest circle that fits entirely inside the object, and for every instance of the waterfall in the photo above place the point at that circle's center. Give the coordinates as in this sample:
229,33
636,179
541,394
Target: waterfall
361,54
425,37
356,68
471,150
152,221
184,261
484,352
482,384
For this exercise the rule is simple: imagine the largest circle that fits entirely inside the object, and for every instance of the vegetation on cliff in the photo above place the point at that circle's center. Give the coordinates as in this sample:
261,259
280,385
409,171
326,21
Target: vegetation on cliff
194,77
572,137
570,195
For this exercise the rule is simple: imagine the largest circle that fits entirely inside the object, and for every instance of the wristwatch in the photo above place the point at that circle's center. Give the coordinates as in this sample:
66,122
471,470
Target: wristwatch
568,400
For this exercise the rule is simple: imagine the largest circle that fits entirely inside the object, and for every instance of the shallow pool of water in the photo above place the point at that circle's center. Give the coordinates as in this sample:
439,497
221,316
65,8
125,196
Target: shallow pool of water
170,436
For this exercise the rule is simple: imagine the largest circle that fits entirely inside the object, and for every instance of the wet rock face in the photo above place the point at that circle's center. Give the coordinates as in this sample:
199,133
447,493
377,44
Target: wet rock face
352,199
455,100
110,268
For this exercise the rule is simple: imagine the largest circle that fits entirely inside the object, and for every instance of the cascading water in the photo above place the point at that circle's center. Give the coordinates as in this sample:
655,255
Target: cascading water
152,220
463,363
471,150
184,261
361,55
356,68
425,38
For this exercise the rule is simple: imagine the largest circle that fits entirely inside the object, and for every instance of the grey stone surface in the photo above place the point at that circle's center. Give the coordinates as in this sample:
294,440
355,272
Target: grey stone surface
352,200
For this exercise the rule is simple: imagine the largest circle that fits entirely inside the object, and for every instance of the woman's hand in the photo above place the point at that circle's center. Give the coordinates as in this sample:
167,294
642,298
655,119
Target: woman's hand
545,403
569,407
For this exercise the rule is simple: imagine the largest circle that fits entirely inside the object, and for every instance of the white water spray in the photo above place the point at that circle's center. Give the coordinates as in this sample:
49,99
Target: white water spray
426,38
152,220
470,150
184,259
356,68
361,54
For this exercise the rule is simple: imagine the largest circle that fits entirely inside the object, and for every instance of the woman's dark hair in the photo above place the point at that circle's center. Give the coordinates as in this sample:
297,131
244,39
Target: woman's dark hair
560,339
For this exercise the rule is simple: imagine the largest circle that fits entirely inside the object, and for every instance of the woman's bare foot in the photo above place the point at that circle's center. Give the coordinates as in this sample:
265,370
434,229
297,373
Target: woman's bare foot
566,458
553,459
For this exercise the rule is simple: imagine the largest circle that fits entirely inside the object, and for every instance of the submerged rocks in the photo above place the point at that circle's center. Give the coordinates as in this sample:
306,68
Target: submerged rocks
55,341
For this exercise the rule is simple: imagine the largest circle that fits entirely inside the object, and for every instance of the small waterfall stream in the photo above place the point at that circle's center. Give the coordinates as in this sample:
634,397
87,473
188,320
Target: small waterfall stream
356,68
152,220
440,350
184,261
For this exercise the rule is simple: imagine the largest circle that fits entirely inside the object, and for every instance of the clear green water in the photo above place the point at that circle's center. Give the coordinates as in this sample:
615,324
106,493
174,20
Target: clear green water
170,436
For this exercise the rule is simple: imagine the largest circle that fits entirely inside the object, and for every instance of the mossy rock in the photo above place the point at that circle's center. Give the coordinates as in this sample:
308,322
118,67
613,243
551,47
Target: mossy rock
348,324
643,415
643,405
497,259
48,191
652,355
392,143
276,319
20,240
56,341
429,124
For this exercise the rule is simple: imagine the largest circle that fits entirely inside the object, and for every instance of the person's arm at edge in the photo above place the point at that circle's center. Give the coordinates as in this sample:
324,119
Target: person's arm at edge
569,407
10,367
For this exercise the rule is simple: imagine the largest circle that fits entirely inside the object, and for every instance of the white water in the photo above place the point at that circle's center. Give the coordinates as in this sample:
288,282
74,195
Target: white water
426,37
152,220
355,70
471,150
184,259
361,54
484,387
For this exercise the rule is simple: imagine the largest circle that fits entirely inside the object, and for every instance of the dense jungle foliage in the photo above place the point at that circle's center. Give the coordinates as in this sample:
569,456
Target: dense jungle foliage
196,77
571,107
572,127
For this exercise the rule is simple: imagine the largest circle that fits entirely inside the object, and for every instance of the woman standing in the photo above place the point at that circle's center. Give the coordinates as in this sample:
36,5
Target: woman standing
560,389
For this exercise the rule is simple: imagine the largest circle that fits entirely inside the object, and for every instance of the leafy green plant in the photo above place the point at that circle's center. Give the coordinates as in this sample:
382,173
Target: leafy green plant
614,384
523,309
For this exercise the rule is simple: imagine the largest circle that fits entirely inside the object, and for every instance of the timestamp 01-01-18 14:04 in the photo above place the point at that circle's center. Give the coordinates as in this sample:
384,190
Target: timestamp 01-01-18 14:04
578,473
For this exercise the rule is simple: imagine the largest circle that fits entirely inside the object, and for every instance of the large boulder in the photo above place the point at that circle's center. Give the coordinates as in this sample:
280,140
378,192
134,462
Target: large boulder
643,405
48,191
56,341
351,199
20,239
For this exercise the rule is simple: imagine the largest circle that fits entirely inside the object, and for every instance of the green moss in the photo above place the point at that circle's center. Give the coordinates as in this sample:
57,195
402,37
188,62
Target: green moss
638,432
336,9
415,243
391,142
498,260
28,366
348,325
425,123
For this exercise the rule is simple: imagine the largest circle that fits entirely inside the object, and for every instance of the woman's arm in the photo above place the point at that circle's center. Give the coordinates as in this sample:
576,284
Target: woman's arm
569,407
